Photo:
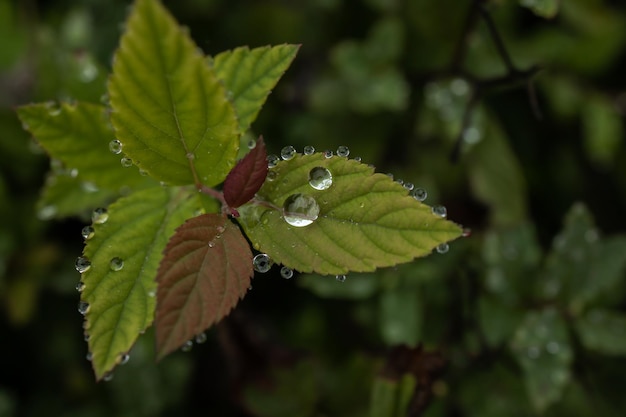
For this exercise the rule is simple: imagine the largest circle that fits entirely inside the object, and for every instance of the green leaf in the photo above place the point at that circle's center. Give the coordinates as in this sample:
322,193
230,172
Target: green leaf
542,348
365,220
205,271
79,135
603,331
122,302
170,111
250,76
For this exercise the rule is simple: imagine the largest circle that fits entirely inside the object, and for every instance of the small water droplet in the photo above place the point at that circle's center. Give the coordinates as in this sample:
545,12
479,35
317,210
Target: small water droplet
357,158
300,210
80,286
251,143
143,173
309,150
115,146
262,263
116,264
201,338
400,181
271,176
467,232
419,194
107,377
390,175
126,162
320,178
89,356
440,211
83,307
82,264
328,154
340,278
86,337
409,186
100,215
343,151
443,248
286,272
187,346
272,160
211,244
152,293
190,156
287,152
124,358
88,232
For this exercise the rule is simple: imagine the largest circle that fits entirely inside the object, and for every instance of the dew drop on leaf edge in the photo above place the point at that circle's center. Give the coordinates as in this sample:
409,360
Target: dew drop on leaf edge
201,338
343,151
287,153
115,146
440,211
443,248
340,278
100,215
80,286
124,358
262,263
300,210
82,264
419,194
320,178
187,346
309,150
83,307
272,160
286,272
87,232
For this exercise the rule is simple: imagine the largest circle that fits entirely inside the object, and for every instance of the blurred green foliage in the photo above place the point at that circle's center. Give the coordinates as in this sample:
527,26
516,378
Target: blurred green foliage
528,312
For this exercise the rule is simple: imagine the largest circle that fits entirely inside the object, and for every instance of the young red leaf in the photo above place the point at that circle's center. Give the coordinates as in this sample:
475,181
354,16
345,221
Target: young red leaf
247,177
206,269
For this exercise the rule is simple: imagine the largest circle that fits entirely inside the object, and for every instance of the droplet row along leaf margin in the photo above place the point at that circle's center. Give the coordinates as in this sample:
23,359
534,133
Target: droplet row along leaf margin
122,302
366,220
170,111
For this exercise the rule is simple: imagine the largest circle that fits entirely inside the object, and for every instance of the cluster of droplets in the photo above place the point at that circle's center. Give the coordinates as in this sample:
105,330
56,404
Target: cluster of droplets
199,339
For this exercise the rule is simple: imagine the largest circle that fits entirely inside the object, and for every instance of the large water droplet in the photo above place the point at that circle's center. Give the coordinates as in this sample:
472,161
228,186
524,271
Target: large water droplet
343,151
126,162
340,278
309,150
83,307
272,161
320,178
443,248
187,346
80,286
419,194
116,264
87,232
286,272
300,210
115,146
287,152
201,338
100,215
440,211
262,263
82,264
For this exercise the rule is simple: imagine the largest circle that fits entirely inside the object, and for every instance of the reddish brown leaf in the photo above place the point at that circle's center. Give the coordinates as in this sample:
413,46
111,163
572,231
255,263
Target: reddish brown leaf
247,177
205,271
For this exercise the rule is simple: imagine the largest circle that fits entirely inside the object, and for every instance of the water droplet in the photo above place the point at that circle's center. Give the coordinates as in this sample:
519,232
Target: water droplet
80,286
107,377
320,178
115,146
83,307
116,264
287,152
300,210
309,150
251,143
89,356
409,186
100,215
419,194
201,338
88,232
53,108
272,160
262,263
211,244
126,162
152,293
340,278
343,151
190,156
271,176
390,175
143,173
467,232
399,181
357,158
443,248
82,264
86,337
440,211
328,154
47,212
187,346
124,358
286,272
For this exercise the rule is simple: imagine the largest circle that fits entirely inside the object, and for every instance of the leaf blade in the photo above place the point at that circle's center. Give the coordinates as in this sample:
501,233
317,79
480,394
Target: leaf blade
366,220
121,302
169,109
247,177
251,74
201,278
